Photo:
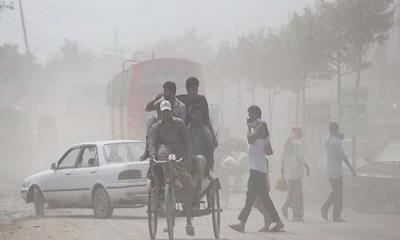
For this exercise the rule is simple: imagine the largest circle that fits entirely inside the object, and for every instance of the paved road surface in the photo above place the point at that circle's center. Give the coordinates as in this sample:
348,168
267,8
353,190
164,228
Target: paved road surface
132,224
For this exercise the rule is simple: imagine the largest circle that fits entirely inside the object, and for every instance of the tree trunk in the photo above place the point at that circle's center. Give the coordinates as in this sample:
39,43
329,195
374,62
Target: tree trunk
359,68
339,92
270,108
358,78
297,106
354,137
303,101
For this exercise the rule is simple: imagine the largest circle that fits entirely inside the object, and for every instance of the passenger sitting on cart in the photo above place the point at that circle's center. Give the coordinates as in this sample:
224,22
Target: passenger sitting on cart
178,110
169,135
203,148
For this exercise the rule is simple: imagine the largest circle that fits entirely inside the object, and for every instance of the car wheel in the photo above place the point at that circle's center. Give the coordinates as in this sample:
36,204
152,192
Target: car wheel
39,201
101,204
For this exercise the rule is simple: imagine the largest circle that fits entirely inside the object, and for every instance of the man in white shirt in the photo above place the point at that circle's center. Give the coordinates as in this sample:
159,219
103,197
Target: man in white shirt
257,135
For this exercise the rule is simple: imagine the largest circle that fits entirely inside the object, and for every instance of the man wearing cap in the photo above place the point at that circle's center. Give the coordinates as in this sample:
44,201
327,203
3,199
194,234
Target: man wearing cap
170,133
178,110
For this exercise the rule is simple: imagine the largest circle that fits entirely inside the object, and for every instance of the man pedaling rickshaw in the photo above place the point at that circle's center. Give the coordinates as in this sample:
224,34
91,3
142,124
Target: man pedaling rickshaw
170,136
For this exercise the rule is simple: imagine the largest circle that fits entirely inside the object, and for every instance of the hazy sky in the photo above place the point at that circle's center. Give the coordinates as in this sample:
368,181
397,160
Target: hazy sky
93,22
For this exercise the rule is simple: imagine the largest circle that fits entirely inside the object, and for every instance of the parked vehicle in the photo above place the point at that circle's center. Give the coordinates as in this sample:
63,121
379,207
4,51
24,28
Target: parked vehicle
377,184
99,175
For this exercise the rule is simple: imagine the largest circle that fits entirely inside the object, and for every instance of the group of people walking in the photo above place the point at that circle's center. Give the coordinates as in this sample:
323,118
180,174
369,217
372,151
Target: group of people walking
292,169
183,127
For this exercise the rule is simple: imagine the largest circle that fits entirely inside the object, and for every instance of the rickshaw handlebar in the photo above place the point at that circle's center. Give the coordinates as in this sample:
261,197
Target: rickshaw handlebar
177,160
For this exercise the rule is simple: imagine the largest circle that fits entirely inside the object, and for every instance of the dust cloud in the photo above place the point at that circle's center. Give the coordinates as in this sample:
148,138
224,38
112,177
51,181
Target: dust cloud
293,65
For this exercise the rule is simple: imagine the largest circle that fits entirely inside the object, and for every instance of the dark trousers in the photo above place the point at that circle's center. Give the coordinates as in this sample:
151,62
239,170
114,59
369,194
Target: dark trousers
294,198
257,187
335,198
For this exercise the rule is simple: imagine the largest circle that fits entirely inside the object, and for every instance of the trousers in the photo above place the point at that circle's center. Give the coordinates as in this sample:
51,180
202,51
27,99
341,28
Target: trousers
257,187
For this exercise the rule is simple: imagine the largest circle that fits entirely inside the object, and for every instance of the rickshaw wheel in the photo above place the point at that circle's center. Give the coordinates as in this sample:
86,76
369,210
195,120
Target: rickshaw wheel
170,210
215,211
152,215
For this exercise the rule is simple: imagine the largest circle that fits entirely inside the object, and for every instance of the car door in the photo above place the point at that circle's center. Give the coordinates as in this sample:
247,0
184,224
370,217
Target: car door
59,187
84,175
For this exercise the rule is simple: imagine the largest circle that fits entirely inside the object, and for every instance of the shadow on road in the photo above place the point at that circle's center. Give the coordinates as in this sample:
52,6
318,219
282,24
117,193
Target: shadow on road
92,217
193,239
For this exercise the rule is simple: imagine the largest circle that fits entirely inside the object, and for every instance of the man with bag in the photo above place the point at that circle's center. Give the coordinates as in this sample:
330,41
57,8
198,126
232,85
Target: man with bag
258,140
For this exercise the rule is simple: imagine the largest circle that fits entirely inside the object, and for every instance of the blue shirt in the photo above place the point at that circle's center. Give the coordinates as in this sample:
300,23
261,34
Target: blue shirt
335,156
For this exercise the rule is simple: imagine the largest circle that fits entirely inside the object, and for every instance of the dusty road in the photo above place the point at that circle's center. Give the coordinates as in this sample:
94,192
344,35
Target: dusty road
132,224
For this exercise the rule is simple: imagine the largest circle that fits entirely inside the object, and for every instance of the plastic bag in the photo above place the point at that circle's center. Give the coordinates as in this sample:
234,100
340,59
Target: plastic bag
281,184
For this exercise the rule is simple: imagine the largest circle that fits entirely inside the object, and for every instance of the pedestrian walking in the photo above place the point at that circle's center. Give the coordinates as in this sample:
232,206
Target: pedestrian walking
258,204
257,138
335,157
293,164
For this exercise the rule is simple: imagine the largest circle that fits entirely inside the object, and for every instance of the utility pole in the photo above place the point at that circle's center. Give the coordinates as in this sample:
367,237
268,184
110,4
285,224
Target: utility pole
24,28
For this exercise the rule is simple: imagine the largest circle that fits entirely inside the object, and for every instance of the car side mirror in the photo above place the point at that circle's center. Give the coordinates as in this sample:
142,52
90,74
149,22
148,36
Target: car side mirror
53,166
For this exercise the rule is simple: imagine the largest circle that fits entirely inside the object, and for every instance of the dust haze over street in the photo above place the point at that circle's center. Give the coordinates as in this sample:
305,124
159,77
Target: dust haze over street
84,84
132,224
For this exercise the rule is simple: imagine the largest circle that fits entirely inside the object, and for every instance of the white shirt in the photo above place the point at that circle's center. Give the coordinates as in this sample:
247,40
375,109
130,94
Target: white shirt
257,158
293,160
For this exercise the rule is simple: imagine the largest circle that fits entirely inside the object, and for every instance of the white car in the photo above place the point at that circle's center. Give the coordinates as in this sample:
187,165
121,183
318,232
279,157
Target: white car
99,175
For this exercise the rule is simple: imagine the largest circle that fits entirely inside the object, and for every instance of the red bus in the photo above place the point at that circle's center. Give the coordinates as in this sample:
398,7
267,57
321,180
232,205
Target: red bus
131,89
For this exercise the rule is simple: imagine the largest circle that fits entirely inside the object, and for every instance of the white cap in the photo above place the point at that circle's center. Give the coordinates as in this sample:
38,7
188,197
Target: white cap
165,105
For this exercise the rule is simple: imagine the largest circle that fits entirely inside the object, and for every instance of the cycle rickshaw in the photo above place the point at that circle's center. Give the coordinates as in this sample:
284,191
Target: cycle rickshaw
174,194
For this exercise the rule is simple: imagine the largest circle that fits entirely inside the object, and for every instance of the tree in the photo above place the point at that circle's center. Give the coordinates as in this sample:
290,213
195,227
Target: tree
18,72
192,44
332,16
350,28
368,24
260,57
305,56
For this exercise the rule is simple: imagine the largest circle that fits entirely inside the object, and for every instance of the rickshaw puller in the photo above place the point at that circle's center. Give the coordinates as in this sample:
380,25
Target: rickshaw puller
172,133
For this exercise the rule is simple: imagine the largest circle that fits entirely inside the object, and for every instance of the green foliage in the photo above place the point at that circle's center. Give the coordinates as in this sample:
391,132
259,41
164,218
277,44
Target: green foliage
331,39
351,29
305,53
16,67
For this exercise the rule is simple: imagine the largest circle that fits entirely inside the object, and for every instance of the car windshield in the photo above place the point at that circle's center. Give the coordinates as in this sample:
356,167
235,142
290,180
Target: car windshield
391,153
123,152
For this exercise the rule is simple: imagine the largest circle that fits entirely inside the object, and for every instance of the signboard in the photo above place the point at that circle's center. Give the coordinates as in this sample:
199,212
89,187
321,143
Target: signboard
354,111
